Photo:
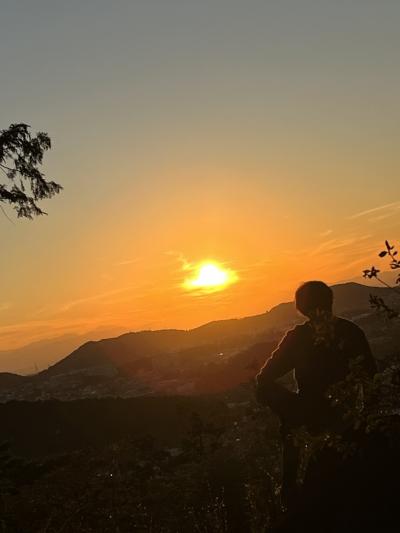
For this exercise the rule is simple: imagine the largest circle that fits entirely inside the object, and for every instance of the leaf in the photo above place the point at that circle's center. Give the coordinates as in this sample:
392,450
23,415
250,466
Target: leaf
382,254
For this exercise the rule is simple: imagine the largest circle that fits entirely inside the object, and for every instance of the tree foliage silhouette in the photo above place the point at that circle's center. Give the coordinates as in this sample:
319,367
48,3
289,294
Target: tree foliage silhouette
378,303
21,155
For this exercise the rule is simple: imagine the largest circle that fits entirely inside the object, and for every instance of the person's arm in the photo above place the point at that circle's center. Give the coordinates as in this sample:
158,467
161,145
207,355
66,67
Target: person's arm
363,350
279,364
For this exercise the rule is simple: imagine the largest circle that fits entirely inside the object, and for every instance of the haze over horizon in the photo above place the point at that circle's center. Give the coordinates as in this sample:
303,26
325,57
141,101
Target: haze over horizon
258,135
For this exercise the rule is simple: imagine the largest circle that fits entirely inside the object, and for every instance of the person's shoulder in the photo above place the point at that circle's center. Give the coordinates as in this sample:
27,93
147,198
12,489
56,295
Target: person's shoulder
348,326
299,330
293,336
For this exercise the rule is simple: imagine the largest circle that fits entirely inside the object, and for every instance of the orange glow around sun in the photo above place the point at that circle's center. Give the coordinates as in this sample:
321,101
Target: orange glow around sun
210,277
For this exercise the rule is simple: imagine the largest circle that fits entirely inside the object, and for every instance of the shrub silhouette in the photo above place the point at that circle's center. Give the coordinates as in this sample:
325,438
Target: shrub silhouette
378,303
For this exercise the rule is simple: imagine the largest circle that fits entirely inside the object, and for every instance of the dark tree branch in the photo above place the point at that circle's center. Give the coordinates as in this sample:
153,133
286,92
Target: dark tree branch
21,155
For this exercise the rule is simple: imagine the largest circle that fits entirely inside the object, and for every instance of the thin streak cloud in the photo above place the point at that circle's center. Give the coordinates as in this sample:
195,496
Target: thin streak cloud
94,297
127,262
374,210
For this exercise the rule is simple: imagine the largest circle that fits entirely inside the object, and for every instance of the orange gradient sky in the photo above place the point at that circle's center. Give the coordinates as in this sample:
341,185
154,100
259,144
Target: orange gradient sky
259,135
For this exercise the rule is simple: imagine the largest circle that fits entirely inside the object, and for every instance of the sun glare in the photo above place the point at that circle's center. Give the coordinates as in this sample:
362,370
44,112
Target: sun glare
210,277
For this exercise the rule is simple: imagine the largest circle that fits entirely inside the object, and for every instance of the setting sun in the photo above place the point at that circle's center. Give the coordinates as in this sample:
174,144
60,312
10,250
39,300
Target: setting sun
210,277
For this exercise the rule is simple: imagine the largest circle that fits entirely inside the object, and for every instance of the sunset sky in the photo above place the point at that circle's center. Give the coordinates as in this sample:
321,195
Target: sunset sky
262,135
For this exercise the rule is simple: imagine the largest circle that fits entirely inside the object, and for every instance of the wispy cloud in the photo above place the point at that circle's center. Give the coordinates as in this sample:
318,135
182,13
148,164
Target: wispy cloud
333,244
94,297
360,214
384,216
127,262
186,265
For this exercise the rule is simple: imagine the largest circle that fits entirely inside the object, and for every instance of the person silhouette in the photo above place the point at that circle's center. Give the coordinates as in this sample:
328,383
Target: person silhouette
319,352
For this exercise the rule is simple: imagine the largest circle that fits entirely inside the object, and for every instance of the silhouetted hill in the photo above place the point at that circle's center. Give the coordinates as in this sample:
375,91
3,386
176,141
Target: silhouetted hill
108,354
7,380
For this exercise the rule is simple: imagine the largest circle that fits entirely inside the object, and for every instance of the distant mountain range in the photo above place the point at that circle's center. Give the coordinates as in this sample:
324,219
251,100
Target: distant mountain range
208,358
36,356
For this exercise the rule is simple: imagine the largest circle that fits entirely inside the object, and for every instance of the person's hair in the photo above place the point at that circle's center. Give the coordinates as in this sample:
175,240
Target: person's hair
312,296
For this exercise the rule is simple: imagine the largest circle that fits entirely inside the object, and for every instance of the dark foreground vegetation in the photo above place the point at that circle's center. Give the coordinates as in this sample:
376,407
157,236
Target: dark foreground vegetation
152,464
207,464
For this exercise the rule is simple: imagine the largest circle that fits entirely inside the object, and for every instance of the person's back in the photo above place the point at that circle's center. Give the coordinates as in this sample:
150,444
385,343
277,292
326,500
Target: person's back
319,355
319,351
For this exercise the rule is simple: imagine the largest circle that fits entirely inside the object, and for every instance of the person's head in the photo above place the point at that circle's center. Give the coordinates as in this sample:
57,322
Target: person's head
314,297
